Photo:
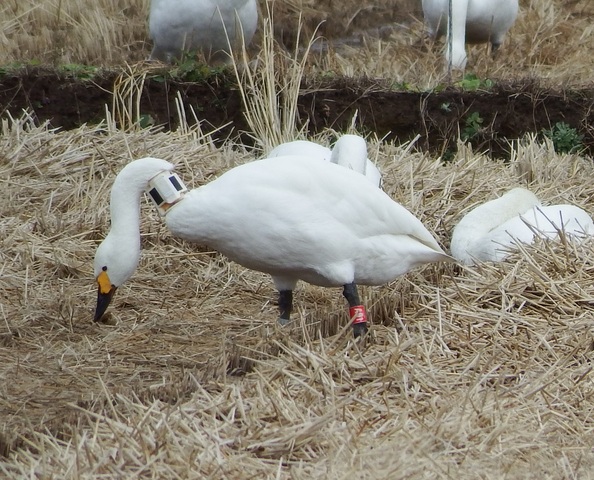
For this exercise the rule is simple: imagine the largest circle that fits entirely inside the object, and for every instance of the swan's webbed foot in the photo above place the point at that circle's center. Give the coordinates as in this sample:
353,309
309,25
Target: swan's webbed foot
283,322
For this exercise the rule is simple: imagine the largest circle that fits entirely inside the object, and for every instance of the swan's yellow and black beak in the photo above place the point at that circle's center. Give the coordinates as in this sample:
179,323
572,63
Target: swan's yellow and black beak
105,293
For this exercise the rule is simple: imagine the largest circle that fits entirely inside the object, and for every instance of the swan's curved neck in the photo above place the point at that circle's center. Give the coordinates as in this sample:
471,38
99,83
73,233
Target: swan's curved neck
126,193
350,153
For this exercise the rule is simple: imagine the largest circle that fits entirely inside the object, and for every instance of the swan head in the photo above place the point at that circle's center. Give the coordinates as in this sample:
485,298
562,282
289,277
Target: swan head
117,257
115,262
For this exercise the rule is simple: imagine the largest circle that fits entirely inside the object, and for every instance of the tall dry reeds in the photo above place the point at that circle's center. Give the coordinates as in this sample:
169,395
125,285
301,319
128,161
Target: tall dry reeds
270,85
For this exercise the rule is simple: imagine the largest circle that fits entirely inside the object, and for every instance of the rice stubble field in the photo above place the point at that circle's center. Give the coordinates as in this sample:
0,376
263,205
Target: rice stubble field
467,372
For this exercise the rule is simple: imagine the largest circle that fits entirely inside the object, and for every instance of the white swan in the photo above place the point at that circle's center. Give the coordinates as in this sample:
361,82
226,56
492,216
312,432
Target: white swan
349,151
473,21
182,25
492,230
293,218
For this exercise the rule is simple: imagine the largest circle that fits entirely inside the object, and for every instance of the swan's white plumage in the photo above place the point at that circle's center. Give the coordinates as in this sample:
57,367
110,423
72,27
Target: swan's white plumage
349,151
206,25
293,218
303,222
492,230
473,21
304,148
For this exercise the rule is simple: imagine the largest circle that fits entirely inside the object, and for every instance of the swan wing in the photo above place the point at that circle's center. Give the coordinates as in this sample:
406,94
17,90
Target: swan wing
538,221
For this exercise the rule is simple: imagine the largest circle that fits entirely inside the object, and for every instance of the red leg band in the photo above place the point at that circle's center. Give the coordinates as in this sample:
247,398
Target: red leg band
358,314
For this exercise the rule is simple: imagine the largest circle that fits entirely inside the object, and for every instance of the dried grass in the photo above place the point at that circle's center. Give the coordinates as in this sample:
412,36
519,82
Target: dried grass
545,43
469,372
269,87
58,32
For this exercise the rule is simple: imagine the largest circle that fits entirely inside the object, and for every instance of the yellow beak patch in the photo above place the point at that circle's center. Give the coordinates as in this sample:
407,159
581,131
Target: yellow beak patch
104,283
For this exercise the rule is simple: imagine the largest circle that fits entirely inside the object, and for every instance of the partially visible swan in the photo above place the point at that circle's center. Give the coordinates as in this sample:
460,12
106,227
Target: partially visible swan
349,151
184,25
293,218
473,21
492,230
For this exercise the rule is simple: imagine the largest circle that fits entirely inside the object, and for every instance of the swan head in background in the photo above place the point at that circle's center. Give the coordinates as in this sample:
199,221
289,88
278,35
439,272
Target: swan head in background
492,230
473,21
209,26
294,218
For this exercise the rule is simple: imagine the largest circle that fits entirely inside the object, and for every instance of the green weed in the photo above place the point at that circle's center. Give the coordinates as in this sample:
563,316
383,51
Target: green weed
472,126
565,138
471,83
79,71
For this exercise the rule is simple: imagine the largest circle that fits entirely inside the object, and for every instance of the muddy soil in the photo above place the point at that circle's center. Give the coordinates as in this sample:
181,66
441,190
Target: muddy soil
506,111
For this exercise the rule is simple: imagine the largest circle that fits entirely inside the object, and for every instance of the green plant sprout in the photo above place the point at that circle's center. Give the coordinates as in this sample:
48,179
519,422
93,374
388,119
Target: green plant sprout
565,138
472,126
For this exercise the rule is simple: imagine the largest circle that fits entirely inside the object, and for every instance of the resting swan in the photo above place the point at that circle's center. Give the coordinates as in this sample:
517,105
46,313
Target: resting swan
493,229
349,151
293,218
184,25
473,21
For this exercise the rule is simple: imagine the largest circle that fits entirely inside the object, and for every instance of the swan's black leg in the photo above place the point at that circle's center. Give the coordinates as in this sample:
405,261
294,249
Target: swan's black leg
495,50
285,305
356,310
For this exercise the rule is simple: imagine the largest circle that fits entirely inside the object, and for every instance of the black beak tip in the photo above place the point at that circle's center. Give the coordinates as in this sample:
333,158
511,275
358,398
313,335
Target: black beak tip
103,301
98,316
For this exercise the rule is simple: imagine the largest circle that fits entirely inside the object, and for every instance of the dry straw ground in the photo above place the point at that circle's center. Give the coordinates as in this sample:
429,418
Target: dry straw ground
469,372
481,372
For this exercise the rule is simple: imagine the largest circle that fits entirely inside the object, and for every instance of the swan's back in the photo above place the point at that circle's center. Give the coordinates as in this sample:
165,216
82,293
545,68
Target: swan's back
482,236
299,217
303,148
549,222
349,151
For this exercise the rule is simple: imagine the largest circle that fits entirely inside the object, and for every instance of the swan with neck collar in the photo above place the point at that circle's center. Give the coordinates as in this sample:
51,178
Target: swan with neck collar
293,218
209,26
473,21
349,151
492,230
